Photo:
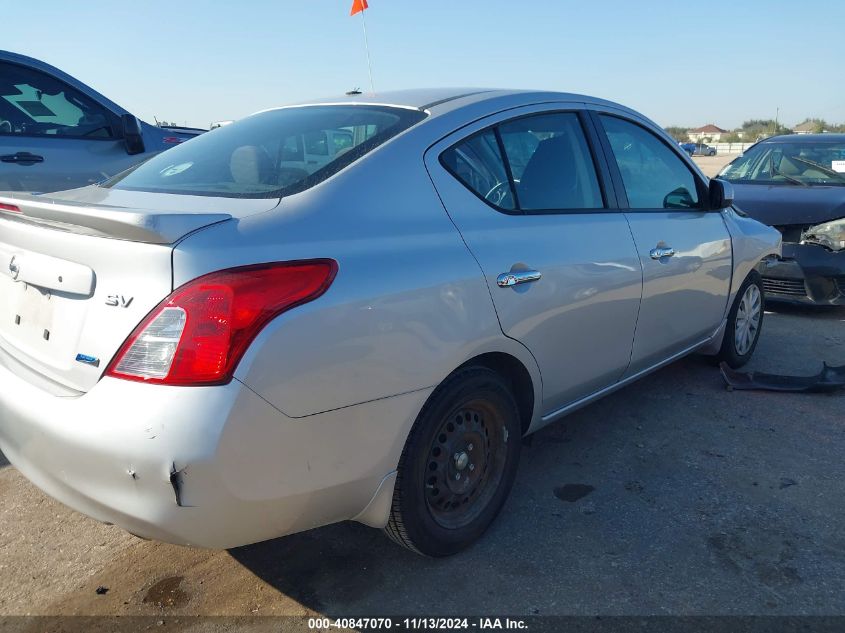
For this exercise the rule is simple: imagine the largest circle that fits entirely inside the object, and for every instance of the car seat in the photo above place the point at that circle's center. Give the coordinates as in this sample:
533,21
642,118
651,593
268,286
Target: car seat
251,165
550,180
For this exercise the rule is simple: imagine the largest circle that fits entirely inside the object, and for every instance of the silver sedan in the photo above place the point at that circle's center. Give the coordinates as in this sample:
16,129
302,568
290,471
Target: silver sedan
355,309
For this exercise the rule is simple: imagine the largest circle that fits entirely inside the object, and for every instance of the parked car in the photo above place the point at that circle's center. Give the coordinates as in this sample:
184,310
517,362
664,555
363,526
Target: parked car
689,148
702,149
217,348
314,150
189,132
796,183
57,133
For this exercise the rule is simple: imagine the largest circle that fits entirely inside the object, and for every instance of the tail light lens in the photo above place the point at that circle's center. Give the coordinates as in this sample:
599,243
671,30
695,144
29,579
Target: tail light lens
198,334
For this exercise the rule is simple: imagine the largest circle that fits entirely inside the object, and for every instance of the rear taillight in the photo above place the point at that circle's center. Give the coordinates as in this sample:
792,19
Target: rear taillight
198,334
9,207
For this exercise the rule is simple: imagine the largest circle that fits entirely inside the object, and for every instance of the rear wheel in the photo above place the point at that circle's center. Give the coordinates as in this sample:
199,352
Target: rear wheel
458,464
745,321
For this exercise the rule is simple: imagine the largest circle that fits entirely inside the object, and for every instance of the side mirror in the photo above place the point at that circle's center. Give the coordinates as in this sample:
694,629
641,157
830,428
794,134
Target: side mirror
721,194
132,136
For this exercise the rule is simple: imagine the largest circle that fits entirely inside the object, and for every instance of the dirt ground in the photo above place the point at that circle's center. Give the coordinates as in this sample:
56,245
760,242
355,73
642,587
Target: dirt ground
672,496
711,165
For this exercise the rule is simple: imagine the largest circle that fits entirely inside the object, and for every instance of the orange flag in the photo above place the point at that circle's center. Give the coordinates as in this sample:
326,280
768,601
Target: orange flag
358,6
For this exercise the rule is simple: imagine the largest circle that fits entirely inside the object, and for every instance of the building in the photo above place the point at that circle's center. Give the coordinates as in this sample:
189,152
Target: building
807,127
707,134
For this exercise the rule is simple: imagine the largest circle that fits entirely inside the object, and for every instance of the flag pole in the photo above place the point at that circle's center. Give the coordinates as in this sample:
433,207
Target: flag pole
367,47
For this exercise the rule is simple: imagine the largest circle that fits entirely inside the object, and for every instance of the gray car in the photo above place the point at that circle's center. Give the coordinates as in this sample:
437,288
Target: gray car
57,133
231,343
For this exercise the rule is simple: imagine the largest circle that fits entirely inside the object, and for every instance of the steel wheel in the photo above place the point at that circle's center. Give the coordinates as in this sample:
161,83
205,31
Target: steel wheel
458,464
748,320
465,464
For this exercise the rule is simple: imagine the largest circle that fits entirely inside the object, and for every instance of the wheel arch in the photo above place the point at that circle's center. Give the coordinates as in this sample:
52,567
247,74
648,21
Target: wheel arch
505,356
518,377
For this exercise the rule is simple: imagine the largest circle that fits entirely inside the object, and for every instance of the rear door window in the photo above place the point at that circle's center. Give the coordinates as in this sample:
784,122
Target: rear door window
477,162
534,164
551,163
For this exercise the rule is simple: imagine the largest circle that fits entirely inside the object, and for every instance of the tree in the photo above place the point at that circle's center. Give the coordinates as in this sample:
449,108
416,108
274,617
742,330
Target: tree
755,129
678,133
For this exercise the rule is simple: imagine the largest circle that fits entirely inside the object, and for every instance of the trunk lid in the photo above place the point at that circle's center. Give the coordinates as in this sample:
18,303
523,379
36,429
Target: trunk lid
80,269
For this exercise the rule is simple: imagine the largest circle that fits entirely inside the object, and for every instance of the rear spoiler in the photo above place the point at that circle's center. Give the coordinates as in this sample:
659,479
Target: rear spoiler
121,223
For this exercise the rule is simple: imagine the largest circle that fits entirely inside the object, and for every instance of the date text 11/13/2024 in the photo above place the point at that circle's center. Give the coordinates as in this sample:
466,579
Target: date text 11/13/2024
416,624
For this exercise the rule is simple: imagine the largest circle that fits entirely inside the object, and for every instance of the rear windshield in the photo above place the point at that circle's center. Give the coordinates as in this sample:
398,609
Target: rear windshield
271,154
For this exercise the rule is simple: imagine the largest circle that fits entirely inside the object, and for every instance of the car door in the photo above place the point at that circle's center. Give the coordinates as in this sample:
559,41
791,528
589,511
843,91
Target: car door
52,136
525,189
684,248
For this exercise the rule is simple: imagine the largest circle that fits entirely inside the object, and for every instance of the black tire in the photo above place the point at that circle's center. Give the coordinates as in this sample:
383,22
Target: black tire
451,484
737,355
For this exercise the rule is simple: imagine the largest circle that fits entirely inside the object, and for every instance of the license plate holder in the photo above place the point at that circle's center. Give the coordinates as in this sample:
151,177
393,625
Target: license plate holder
28,319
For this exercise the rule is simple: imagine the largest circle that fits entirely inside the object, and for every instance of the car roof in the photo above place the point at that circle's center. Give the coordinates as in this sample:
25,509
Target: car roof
805,138
438,101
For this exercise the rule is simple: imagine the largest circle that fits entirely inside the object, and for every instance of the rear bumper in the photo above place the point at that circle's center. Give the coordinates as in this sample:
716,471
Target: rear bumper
807,274
207,466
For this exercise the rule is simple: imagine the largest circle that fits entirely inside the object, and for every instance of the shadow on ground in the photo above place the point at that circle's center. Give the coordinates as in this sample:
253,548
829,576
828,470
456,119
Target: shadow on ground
3,460
696,501
828,313
672,497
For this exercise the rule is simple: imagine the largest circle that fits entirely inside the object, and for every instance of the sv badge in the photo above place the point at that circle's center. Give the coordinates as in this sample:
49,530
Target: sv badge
118,301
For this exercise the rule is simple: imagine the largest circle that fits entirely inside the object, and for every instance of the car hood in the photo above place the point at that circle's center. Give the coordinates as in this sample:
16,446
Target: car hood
779,205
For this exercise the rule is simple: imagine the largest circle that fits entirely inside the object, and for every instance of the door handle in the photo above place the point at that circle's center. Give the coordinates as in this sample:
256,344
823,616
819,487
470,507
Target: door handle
22,158
660,252
506,280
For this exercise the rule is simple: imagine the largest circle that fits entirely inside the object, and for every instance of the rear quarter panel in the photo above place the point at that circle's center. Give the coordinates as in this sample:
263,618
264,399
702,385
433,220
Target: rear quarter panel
409,303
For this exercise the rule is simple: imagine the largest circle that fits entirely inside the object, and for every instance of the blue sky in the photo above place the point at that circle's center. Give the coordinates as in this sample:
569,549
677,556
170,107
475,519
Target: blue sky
685,63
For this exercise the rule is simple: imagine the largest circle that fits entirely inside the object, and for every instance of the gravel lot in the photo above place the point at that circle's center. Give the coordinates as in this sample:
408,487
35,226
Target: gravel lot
711,165
703,501
695,500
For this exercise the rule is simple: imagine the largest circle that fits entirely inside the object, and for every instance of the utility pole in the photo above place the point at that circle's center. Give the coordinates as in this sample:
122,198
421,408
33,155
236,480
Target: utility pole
777,116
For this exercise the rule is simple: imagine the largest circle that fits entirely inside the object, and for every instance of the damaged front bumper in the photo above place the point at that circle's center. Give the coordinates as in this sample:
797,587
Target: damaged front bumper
806,273
829,378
